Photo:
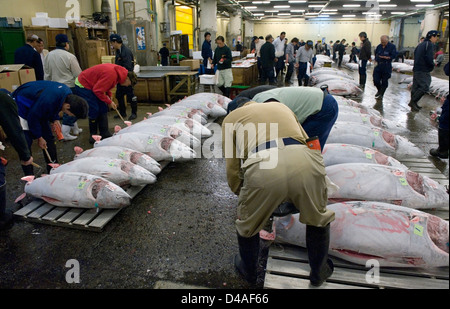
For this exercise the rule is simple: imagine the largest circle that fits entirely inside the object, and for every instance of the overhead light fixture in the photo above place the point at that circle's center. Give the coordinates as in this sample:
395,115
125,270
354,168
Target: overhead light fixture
316,5
387,5
297,11
284,14
385,0
421,0
281,6
311,14
250,7
331,13
258,14
330,10
321,15
351,5
398,13
348,15
424,5
297,1
272,11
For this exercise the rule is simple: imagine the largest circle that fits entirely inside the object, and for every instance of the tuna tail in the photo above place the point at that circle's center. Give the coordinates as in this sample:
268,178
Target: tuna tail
266,235
160,108
21,197
28,178
54,165
149,114
128,123
168,105
97,138
78,150
117,128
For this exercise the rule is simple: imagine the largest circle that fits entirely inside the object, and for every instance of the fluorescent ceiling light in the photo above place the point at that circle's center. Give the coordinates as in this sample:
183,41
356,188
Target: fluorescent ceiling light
297,1
424,5
297,11
329,10
421,0
312,13
281,6
331,13
284,14
351,5
272,11
348,15
258,14
321,15
316,5
261,2
398,13
250,7
387,5
385,0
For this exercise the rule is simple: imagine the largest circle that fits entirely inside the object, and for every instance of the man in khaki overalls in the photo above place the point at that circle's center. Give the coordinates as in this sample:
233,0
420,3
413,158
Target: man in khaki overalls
277,167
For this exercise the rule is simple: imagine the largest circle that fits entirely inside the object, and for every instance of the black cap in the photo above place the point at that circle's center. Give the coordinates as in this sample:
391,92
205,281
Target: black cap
433,33
78,106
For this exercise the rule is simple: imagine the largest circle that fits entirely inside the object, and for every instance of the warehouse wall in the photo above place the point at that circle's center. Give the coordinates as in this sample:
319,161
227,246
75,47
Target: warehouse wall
312,30
411,31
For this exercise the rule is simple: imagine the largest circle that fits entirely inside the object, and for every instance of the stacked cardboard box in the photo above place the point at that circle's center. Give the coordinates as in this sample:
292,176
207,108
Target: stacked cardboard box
14,75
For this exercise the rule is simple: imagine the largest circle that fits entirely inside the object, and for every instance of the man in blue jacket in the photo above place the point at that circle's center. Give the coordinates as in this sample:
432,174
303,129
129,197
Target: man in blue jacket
423,65
207,53
384,54
443,130
39,104
28,55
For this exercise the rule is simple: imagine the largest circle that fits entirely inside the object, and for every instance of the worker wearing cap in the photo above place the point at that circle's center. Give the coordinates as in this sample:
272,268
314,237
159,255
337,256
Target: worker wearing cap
277,167
10,123
95,85
423,65
62,66
302,60
39,104
124,58
385,53
28,55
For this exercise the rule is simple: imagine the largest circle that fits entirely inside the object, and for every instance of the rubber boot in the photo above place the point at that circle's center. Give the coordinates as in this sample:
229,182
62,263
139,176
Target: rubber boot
75,129
93,128
382,91
246,261
66,133
28,170
317,243
6,216
102,120
222,88
414,106
133,104
442,150
362,81
378,92
306,82
227,92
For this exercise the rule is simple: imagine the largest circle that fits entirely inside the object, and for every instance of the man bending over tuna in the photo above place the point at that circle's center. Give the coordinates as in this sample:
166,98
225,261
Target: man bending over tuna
277,167
95,85
39,104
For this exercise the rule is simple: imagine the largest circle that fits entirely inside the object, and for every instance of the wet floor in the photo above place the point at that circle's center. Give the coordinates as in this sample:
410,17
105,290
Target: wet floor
180,229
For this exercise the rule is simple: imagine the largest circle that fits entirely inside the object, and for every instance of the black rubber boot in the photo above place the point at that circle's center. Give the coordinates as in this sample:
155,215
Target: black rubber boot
382,91
28,170
246,261
102,121
227,92
414,106
377,95
317,243
222,88
442,150
93,128
133,104
6,216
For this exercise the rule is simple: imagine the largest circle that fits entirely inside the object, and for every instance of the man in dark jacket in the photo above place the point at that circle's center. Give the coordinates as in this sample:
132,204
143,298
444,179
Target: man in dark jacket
384,54
365,54
223,58
443,130
10,123
423,65
268,61
39,104
341,51
124,58
207,53
335,45
28,55
164,54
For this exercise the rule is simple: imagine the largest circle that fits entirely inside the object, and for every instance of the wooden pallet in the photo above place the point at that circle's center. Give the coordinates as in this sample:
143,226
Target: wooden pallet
288,268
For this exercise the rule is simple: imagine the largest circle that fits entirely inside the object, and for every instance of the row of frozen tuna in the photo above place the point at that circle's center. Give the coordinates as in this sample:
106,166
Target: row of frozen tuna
98,177
377,200
338,82
439,88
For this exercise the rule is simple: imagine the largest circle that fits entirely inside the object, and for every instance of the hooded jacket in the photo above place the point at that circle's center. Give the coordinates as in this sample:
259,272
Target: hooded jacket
102,78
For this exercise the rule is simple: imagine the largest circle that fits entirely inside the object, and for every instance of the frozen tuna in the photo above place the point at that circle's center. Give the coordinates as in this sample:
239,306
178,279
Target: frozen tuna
370,120
159,147
395,236
341,87
183,123
209,108
345,153
382,183
384,141
118,171
211,97
119,152
77,190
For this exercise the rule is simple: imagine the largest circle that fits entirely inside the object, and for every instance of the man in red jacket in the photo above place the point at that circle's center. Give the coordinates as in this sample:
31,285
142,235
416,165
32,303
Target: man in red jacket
95,85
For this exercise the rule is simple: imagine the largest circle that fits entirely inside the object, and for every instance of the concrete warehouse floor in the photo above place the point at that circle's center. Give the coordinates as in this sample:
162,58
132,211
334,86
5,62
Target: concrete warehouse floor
179,230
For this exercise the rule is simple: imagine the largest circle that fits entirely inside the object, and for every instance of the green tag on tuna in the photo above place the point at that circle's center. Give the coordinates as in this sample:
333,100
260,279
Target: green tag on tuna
81,185
122,154
418,229
403,181
368,155
150,141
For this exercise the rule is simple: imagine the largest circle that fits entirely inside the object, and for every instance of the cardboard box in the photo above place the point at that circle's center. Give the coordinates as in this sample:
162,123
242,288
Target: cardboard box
14,75
207,79
194,64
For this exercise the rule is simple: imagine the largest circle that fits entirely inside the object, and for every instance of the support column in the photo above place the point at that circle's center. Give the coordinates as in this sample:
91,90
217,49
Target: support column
235,28
208,21
430,21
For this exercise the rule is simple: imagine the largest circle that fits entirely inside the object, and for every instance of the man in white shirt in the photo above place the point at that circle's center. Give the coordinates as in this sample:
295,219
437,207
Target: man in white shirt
258,54
279,44
302,60
62,66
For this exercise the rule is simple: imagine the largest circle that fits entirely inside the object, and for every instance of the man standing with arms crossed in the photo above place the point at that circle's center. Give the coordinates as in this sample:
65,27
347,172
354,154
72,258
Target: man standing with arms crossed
365,55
